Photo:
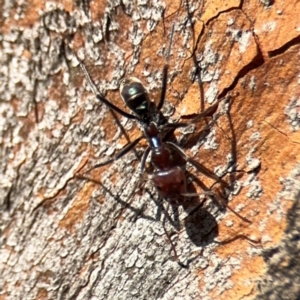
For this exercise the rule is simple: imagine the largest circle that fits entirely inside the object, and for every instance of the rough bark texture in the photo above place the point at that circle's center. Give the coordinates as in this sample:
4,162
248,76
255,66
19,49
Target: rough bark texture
106,240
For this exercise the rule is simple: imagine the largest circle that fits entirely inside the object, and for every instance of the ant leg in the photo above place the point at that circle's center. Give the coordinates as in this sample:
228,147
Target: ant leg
163,88
208,193
212,195
198,166
208,112
145,155
165,75
238,236
125,150
209,174
171,243
176,125
102,99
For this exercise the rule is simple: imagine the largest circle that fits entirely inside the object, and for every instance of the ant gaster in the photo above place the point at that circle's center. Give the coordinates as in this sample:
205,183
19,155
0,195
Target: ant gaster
168,178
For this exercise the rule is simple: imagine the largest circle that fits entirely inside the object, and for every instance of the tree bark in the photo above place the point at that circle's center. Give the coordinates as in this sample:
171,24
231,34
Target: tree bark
108,237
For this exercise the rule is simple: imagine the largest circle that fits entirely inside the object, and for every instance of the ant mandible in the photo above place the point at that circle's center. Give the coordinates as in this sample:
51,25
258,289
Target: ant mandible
168,177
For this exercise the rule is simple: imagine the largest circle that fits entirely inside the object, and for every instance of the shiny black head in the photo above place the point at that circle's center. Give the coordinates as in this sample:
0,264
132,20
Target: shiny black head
135,96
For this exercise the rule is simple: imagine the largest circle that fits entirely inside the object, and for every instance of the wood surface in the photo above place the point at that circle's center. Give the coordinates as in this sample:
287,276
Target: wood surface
67,238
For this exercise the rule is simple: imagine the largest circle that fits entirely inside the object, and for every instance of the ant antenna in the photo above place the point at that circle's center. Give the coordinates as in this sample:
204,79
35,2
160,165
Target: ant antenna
102,98
170,44
165,74
88,78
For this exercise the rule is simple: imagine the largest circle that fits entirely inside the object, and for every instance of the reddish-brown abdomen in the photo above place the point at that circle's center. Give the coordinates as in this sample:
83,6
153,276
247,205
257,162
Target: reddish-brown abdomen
170,184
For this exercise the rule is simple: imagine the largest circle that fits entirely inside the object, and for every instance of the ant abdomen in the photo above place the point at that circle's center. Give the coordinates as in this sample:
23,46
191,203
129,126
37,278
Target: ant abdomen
170,184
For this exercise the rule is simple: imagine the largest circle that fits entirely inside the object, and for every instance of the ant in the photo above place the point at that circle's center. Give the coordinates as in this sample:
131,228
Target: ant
168,177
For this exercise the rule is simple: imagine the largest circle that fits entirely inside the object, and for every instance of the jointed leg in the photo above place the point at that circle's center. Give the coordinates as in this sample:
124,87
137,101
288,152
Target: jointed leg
125,150
145,155
170,241
198,166
209,174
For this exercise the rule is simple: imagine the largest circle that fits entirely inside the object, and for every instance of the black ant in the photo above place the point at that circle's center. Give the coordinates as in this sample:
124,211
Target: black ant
168,177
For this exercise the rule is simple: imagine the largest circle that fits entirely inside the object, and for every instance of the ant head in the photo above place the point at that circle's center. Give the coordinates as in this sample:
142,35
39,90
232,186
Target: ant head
135,95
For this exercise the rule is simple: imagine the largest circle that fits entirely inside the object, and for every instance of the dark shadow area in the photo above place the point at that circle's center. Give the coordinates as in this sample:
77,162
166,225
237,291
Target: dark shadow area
282,280
201,227
285,47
